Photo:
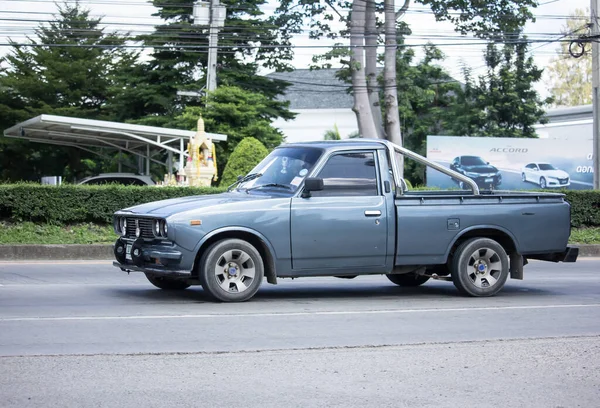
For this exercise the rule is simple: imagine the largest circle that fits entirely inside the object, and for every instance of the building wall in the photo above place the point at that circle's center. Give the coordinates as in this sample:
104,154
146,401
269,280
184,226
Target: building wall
311,124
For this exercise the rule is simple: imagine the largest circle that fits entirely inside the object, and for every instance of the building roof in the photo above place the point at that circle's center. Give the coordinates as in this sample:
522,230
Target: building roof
90,135
569,113
316,89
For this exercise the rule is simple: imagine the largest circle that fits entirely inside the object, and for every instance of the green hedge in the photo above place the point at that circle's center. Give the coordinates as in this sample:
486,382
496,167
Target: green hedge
585,207
72,204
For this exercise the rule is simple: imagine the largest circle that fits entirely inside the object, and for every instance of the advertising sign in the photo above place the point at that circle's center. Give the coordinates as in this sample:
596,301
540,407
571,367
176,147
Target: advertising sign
512,164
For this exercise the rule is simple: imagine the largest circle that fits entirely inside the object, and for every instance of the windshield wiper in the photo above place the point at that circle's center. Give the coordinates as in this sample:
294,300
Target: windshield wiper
244,179
270,185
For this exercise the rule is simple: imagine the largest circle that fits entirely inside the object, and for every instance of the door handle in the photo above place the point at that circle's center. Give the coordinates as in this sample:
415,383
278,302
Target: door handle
374,213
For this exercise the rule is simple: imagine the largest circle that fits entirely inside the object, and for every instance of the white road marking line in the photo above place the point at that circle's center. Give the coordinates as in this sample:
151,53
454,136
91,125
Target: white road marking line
288,314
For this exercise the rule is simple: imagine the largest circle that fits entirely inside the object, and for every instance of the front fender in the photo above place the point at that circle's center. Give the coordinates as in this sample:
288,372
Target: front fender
257,234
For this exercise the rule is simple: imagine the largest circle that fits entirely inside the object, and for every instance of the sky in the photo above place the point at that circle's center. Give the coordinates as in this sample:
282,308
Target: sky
136,16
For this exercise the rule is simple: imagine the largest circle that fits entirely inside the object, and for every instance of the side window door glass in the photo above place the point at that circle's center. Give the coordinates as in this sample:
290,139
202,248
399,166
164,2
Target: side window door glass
349,174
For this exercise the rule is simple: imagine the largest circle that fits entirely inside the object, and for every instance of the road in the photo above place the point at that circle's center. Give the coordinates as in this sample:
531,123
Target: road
79,334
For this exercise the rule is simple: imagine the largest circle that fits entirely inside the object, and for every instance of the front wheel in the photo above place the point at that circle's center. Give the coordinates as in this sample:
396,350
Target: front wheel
231,270
543,182
408,279
479,267
523,177
167,283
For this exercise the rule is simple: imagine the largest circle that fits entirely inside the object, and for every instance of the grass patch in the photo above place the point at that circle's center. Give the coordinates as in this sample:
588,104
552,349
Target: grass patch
32,233
585,235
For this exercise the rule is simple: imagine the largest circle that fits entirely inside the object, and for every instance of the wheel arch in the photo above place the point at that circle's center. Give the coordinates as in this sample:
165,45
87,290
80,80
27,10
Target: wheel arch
256,239
504,237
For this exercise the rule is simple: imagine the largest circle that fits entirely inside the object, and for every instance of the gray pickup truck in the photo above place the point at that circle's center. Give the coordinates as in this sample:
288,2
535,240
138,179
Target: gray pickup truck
341,209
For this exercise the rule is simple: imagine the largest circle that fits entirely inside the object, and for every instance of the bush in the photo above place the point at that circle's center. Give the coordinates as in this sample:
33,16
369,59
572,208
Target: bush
585,207
74,204
246,155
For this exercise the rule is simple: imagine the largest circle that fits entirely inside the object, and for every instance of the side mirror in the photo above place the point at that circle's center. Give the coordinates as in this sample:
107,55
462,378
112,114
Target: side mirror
312,184
239,178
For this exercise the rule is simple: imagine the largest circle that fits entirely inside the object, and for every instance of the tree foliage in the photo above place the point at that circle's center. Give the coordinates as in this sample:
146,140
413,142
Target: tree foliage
179,60
569,78
239,114
502,103
73,80
247,154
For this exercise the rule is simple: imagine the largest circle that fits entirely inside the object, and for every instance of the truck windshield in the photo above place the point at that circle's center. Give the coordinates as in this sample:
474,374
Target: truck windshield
282,170
472,161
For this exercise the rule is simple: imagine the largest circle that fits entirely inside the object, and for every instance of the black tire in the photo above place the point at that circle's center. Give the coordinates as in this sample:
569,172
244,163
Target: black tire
479,267
543,182
408,279
523,177
222,274
166,283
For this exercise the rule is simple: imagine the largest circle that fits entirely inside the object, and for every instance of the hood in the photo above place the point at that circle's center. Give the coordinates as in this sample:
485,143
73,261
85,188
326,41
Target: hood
165,208
481,169
555,173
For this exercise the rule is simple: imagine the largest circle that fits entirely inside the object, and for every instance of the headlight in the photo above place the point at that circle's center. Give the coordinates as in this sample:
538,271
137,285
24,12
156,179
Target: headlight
156,228
123,225
164,230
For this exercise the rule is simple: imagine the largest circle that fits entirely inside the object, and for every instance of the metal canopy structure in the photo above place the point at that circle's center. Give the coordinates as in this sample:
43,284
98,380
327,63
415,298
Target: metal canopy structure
100,137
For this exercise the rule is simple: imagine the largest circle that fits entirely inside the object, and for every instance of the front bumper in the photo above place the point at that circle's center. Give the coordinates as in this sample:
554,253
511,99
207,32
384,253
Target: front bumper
160,258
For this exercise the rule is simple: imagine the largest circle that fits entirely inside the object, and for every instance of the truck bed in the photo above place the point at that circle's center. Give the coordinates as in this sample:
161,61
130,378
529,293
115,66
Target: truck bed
429,223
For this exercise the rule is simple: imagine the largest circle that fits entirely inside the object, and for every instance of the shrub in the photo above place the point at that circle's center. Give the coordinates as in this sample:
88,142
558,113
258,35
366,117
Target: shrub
73,203
585,207
246,155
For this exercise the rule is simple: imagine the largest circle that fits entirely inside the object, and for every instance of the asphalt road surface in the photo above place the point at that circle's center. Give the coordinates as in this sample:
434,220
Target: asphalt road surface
84,334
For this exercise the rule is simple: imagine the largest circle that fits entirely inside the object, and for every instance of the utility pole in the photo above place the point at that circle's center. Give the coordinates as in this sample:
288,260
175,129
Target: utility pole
212,15
595,25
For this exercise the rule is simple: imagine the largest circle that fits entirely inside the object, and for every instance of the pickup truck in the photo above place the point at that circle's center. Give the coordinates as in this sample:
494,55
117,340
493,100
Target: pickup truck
341,208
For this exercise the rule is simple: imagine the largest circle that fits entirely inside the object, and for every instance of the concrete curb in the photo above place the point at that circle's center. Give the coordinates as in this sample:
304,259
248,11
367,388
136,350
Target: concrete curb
105,252
56,252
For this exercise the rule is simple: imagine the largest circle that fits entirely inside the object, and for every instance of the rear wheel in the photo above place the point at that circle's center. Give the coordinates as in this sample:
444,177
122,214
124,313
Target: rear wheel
167,283
479,267
408,279
231,270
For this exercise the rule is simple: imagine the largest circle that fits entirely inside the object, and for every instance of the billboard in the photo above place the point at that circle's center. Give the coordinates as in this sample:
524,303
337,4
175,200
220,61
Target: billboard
512,164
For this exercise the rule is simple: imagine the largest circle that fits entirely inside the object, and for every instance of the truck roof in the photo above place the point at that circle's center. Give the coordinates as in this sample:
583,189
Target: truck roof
345,143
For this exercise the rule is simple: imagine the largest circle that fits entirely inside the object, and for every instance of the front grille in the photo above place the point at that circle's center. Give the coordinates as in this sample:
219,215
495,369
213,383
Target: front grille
145,225
563,181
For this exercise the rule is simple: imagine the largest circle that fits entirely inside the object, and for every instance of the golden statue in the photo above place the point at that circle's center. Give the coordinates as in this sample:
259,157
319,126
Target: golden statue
201,166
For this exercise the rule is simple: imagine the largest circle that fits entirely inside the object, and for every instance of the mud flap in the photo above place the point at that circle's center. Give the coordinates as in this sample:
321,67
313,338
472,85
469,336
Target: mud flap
516,266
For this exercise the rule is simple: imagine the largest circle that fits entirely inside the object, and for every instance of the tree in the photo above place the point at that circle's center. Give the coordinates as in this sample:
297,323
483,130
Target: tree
238,114
247,154
68,69
495,20
569,78
247,42
427,94
503,103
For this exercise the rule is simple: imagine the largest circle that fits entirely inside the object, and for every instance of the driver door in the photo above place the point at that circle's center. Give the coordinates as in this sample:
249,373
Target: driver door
344,226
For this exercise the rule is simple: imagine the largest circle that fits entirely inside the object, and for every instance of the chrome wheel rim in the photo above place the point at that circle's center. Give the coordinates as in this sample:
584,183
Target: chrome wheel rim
235,271
484,268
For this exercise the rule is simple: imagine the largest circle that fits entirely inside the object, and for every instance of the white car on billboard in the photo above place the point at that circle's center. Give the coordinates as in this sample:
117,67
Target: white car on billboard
545,175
